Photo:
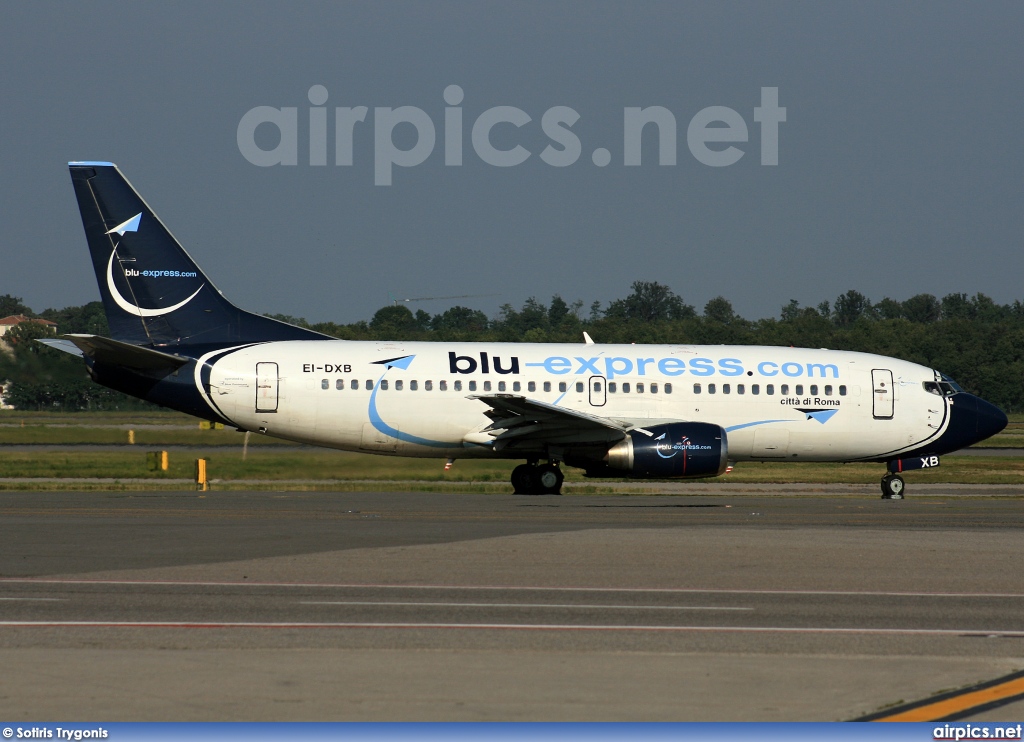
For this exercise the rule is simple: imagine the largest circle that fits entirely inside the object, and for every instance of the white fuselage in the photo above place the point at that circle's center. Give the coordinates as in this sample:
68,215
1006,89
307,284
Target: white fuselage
774,403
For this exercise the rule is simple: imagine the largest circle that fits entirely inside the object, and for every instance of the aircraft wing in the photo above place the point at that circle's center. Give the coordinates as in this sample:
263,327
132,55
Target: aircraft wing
115,352
519,421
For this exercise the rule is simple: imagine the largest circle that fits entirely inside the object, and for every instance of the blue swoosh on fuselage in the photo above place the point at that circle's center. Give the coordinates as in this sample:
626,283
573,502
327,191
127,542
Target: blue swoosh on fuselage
383,427
759,422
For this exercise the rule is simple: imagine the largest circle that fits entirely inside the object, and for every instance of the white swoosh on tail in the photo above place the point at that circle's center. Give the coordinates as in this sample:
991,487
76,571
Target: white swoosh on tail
134,309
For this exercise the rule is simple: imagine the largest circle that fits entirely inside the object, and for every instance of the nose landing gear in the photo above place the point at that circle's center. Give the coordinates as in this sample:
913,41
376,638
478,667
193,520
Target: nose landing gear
892,487
531,479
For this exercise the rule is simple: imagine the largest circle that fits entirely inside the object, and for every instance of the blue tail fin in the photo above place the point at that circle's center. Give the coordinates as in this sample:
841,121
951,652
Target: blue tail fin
153,292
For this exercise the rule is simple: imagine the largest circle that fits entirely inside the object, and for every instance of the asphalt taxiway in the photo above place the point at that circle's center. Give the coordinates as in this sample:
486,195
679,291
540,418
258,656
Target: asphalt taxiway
716,605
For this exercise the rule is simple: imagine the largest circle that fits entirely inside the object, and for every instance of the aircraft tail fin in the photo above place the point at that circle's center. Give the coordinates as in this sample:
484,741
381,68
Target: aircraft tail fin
153,293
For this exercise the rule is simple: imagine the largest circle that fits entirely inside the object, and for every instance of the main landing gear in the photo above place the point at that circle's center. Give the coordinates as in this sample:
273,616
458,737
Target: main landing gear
531,479
892,487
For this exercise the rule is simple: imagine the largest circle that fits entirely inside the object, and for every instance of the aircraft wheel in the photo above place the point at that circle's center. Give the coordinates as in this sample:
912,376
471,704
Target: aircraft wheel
548,479
892,487
522,479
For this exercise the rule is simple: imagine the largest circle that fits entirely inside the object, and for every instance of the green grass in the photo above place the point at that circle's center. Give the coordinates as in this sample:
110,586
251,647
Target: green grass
269,464
105,428
1011,437
325,469
178,429
315,465
162,436
154,417
953,469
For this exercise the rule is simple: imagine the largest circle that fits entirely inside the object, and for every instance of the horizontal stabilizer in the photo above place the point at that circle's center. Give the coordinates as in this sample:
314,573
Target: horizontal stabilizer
115,353
65,345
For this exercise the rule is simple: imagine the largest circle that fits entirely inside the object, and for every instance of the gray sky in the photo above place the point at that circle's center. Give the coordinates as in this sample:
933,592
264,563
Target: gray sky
901,162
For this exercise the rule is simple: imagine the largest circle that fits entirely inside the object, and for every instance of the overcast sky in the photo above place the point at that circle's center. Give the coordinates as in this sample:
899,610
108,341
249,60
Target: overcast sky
900,163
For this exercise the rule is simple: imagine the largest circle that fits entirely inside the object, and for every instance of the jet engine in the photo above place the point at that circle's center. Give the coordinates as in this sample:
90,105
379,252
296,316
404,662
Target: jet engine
676,450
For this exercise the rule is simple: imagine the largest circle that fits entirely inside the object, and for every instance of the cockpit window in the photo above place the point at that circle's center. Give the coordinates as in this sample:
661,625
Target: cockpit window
950,384
945,388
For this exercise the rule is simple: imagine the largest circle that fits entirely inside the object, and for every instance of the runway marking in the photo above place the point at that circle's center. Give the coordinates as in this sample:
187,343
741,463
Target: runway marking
528,605
958,704
498,627
538,588
34,599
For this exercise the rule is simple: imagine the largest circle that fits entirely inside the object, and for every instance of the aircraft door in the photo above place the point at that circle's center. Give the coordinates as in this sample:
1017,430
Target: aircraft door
598,391
267,385
883,395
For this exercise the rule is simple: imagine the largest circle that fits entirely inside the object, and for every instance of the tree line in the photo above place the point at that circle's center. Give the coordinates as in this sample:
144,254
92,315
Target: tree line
971,338
42,378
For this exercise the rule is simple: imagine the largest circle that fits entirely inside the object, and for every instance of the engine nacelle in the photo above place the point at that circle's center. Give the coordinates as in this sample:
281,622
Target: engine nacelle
677,450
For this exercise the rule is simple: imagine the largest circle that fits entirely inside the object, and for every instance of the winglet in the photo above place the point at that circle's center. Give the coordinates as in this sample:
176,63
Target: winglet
587,339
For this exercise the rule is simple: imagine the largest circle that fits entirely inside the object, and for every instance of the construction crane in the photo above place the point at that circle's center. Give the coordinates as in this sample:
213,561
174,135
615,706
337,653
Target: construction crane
438,298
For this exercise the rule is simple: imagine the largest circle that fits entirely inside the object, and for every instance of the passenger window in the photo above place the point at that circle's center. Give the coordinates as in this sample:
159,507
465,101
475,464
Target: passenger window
639,388
325,384
784,389
442,386
726,388
612,387
516,386
828,390
711,388
339,384
428,386
355,384
531,386
579,386
799,388
668,388
842,390
562,386
487,386
458,385
547,386
625,388
414,385
696,388
399,384
814,389
770,390
383,385
654,388
501,386
755,388
472,386
369,384
597,386
741,389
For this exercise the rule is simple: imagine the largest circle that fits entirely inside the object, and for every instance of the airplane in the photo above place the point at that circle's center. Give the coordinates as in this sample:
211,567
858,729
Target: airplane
621,411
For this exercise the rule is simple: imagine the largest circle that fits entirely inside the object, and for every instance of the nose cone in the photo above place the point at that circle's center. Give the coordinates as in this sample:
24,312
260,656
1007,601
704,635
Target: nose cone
972,419
990,419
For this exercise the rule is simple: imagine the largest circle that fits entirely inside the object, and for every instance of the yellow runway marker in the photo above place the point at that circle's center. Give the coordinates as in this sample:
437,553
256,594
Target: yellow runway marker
958,704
